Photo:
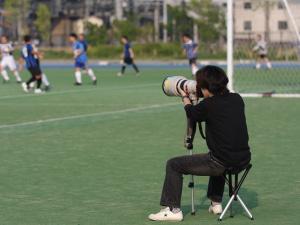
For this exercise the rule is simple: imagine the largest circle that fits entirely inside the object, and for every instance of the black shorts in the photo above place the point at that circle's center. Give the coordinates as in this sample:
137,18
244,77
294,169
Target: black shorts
262,56
128,60
192,61
35,71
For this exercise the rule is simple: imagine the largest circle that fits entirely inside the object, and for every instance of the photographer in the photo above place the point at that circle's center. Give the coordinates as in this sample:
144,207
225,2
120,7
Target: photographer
226,137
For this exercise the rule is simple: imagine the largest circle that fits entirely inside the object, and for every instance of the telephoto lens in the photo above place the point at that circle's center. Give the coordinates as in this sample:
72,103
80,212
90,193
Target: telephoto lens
173,84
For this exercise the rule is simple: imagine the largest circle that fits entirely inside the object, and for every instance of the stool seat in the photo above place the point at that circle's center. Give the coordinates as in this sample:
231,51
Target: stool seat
234,188
236,170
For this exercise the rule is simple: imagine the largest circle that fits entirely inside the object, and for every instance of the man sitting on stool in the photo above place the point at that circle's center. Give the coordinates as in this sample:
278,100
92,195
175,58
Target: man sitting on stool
227,140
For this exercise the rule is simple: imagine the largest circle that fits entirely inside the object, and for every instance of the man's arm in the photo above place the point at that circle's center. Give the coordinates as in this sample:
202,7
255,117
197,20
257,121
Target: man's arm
21,64
195,50
193,112
131,53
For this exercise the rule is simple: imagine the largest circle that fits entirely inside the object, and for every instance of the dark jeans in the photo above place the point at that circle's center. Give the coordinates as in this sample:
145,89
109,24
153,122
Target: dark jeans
200,165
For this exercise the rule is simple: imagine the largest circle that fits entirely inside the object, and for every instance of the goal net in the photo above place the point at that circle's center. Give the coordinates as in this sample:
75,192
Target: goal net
264,47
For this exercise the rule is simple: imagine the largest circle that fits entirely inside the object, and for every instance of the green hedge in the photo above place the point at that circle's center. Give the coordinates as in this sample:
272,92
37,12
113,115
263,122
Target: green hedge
142,51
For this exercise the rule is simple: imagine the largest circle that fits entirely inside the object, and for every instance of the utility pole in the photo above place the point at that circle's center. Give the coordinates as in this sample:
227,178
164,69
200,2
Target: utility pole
165,21
156,22
267,20
118,9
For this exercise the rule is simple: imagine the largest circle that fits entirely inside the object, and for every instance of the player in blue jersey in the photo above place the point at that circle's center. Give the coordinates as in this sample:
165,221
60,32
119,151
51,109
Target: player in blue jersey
83,42
81,59
30,56
190,49
127,56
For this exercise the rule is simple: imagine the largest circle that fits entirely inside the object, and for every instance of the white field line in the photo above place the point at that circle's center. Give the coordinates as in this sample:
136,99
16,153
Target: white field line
137,109
34,104
79,91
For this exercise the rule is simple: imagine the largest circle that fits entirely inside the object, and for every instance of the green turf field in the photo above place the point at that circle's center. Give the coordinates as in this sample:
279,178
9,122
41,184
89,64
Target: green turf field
96,155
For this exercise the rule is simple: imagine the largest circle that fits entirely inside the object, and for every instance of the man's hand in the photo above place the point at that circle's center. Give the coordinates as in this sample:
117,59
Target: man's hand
185,97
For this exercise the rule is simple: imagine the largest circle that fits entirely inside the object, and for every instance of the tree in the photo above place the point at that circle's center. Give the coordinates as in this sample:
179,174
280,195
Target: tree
43,22
96,35
16,15
211,19
125,27
178,22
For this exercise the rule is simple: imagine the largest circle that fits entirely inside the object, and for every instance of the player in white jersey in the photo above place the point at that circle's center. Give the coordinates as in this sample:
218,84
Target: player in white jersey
8,60
261,50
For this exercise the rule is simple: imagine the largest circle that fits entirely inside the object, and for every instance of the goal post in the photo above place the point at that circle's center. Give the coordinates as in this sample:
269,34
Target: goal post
263,48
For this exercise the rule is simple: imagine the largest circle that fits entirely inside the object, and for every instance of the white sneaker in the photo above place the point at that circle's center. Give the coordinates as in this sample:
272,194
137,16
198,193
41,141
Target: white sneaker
32,85
25,88
38,91
166,215
119,74
215,208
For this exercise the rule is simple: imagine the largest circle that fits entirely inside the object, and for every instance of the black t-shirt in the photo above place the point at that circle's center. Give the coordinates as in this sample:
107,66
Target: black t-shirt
225,127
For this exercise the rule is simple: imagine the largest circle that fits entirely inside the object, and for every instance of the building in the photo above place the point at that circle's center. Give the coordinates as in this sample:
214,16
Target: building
269,18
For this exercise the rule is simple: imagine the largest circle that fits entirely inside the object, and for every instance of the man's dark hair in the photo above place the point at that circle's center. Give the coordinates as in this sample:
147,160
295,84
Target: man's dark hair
74,35
125,37
213,79
187,35
27,38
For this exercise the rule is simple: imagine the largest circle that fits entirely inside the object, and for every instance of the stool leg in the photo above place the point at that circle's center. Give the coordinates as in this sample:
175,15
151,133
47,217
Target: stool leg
245,207
226,207
193,195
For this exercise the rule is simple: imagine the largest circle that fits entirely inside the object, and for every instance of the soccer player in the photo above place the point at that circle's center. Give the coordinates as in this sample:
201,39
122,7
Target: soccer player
127,56
83,42
30,56
8,60
262,52
227,140
80,58
45,80
190,49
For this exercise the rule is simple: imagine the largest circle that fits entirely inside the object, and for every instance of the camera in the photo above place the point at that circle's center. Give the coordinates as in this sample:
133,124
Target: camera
173,84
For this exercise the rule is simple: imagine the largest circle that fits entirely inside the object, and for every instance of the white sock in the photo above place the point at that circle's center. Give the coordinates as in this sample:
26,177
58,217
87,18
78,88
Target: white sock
45,80
78,77
91,74
269,65
194,69
176,210
5,75
258,65
17,75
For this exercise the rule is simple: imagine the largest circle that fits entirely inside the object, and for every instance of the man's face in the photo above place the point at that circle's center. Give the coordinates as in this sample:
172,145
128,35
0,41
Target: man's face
123,40
184,39
3,40
206,93
259,37
81,37
71,39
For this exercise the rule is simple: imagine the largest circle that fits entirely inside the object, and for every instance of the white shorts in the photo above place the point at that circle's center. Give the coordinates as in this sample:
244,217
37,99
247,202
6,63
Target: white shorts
8,61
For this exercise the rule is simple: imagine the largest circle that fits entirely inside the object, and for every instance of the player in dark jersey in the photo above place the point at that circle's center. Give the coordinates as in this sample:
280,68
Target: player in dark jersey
127,56
191,51
30,56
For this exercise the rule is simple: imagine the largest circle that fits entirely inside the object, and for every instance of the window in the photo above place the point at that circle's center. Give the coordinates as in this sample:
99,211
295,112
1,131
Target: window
247,5
247,25
280,5
282,25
